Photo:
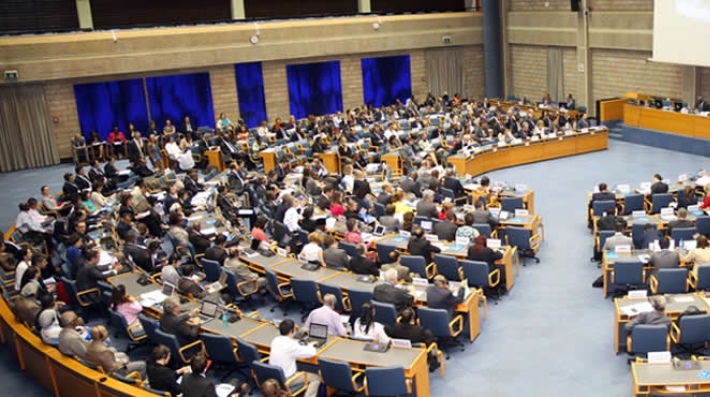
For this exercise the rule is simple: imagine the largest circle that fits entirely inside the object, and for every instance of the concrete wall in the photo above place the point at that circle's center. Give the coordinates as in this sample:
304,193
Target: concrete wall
62,60
604,55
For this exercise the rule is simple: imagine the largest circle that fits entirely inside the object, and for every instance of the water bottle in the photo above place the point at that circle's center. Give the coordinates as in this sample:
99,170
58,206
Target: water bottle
680,245
225,319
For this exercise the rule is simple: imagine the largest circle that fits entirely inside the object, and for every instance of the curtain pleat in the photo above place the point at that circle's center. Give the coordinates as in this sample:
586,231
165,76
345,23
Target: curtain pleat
250,92
445,71
314,88
386,79
26,137
554,74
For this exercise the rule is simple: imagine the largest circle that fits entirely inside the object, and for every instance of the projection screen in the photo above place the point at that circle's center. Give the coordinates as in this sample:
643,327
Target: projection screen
680,28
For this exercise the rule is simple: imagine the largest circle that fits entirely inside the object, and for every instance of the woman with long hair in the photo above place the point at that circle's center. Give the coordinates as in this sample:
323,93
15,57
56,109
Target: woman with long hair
127,306
367,328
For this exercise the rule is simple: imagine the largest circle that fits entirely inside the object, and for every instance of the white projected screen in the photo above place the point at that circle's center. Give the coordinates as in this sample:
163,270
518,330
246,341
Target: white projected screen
680,28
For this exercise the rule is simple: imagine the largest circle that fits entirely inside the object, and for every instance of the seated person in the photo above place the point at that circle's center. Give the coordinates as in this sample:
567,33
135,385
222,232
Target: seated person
48,320
407,328
479,251
650,235
467,229
681,222
446,230
169,272
128,306
389,220
185,326
665,258
312,252
160,375
99,355
272,388
241,270
361,264
72,337
187,285
284,352
334,256
419,245
657,316
440,297
366,327
388,292
327,316
700,255
27,305
195,384
618,239
403,272
658,185
198,240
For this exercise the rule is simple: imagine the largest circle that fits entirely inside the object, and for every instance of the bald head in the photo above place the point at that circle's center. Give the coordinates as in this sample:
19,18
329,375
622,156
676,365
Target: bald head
68,319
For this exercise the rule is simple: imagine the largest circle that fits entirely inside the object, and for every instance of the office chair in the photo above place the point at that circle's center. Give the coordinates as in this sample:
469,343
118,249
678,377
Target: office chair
691,333
282,291
306,293
645,338
700,279
527,242
446,331
263,371
338,375
386,382
670,281
448,266
221,351
385,313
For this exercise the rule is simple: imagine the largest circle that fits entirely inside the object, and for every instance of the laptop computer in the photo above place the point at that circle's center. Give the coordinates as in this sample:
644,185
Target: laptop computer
156,298
317,334
208,311
217,285
379,231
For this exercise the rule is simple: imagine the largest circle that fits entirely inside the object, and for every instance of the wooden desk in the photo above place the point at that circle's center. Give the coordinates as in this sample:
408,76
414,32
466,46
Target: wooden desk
214,158
269,157
691,125
494,158
331,161
648,378
675,305
394,162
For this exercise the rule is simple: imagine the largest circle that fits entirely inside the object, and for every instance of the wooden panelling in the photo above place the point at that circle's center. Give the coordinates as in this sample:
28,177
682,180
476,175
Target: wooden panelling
144,50
24,16
400,6
290,8
137,13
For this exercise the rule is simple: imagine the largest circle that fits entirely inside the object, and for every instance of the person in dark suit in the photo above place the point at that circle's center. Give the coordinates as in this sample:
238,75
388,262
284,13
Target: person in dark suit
197,239
602,195
185,326
482,216
410,184
681,222
88,275
187,128
135,148
418,245
385,196
360,264
324,199
282,169
333,256
160,375
446,230
95,172
187,285
650,235
657,316
438,296
218,252
407,329
70,189
450,182
110,169
658,185
479,251
192,184
138,252
426,206
195,384
82,181
665,258
388,293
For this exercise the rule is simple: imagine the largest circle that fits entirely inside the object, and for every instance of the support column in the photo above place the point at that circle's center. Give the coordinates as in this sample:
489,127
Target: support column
364,6
492,48
690,84
238,9
505,50
585,95
83,11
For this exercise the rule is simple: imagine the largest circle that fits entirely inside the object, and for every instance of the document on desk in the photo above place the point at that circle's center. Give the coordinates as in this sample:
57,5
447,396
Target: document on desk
683,299
675,389
635,310
224,389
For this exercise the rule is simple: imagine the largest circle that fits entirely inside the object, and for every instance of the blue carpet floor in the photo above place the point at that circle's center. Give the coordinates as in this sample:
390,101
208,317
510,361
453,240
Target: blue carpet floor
553,334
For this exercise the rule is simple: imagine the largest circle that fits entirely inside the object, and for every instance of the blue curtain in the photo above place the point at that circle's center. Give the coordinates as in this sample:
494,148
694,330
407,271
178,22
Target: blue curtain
177,96
103,105
250,91
314,89
386,79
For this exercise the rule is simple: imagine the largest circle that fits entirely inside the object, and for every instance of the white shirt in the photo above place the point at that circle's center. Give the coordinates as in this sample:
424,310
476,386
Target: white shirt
284,352
327,316
19,272
376,331
173,150
291,218
25,223
311,252
388,133
349,182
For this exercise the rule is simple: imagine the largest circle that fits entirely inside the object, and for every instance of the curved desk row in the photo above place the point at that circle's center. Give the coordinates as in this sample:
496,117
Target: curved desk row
691,125
60,375
494,158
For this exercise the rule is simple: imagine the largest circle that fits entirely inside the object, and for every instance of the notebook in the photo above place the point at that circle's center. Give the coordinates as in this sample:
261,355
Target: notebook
217,285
